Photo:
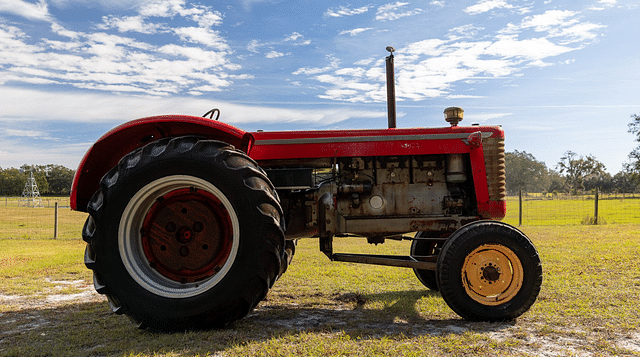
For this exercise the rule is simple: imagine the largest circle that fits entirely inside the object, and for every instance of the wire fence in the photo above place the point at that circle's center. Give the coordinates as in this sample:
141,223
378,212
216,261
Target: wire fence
55,220
536,209
52,219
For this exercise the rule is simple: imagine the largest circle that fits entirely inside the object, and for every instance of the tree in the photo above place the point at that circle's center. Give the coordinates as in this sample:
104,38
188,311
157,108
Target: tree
525,173
625,181
634,128
556,182
12,182
604,183
59,178
577,169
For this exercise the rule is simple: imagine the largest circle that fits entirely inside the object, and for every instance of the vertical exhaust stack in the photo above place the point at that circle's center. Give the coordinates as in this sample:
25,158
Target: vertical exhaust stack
391,89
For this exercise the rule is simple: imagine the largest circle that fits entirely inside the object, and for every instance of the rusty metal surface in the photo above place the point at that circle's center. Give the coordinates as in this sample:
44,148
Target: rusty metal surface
391,90
395,225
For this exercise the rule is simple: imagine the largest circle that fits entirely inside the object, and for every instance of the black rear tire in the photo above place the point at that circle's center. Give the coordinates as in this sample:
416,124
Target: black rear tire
489,271
185,233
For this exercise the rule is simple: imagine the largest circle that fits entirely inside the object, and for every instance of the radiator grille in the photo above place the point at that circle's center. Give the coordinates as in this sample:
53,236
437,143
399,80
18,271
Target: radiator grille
494,164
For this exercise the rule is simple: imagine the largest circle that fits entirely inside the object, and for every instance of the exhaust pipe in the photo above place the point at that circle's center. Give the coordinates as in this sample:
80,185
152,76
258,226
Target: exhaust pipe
391,89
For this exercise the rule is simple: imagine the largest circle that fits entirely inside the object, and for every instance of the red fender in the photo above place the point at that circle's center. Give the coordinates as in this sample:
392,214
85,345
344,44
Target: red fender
112,146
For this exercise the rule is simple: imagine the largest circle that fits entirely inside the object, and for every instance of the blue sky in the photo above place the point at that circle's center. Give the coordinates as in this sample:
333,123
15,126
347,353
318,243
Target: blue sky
558,75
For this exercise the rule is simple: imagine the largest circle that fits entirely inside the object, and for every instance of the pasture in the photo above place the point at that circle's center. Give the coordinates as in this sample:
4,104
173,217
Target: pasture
587,306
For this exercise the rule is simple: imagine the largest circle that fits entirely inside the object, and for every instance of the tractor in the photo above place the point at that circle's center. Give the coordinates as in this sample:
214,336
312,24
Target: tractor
191,220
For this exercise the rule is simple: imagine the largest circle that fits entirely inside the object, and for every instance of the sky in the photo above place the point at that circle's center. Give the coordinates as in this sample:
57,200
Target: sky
557,75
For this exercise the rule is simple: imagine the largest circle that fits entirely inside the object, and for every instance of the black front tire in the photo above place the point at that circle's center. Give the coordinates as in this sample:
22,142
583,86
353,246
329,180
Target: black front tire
489,271
185,233
423,244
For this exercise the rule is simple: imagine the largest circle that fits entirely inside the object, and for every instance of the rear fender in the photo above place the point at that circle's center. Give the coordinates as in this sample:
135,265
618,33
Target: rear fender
112,146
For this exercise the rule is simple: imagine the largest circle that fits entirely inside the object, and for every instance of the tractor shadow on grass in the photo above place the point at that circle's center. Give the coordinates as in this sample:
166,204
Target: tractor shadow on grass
408,313
90,328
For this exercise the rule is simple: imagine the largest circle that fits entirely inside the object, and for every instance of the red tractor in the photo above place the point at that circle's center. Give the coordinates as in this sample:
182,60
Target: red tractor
191,221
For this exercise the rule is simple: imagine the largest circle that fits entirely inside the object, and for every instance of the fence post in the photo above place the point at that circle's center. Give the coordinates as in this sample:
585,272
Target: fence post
520,208
55,225
595,220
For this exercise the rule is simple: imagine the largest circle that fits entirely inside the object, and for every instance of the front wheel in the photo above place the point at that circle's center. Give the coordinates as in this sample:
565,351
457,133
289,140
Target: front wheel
185,233
489,271
427,243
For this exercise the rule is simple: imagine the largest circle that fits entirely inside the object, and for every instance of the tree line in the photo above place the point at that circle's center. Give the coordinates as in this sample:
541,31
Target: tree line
52,180
574,173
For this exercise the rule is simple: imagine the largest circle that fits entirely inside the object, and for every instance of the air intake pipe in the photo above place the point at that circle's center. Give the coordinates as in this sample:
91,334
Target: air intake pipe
391,89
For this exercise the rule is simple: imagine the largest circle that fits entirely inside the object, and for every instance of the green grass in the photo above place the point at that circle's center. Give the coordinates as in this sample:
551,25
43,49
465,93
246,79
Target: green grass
27,266
588,305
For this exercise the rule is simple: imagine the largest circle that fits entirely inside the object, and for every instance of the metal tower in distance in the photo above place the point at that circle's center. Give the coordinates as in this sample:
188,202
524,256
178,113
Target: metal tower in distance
31,195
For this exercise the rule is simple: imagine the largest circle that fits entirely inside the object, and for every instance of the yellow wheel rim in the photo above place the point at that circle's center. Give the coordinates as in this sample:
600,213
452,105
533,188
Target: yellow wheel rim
492,274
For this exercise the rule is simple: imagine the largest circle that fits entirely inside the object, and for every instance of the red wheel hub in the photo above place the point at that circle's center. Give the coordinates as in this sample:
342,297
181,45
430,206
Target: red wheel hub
187,235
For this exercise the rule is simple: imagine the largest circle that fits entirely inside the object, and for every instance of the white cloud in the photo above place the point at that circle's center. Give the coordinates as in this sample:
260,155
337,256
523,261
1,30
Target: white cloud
390,12
355,32
105,4
581,32
25,104
104,61
294,36
527,49
129,23
334,64
487,5
162,8
345,11
26,133
253,46
464,31
21,151
365,62
203,36
484,117
562,24
248,4
465,96
38,11
608,3
274,54
549,20
294,39
432,67
61,31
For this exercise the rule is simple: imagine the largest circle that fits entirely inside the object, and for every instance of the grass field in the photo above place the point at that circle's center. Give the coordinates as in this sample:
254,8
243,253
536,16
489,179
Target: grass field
588,306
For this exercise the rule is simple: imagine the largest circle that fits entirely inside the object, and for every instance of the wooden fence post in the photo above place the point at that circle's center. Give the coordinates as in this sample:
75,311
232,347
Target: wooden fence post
595,220
55,225
520,208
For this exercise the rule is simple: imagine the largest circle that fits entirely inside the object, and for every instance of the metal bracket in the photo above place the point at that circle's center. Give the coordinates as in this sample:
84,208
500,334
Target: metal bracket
427,262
